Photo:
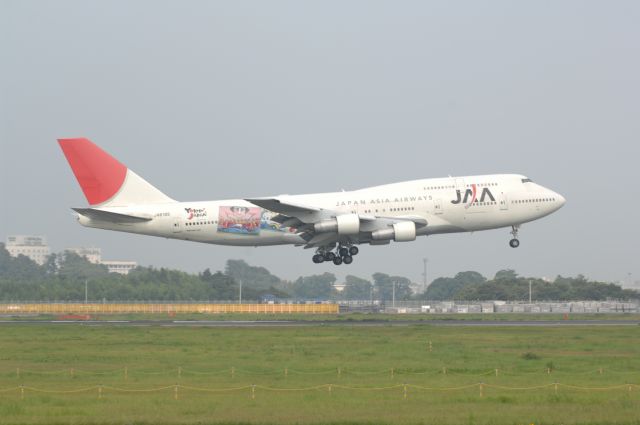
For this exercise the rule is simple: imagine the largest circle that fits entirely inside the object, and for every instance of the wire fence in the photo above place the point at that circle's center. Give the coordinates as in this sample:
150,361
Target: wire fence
404,389
179,372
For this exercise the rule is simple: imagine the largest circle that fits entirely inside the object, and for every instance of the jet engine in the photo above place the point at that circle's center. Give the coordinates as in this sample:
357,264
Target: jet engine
346,224
400,232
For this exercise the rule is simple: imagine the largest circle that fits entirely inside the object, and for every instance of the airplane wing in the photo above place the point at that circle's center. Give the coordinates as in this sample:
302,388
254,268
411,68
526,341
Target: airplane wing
110,216
305,219
283,207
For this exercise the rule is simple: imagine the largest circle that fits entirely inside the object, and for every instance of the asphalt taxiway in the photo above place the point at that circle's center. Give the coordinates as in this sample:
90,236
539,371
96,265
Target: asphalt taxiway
337,323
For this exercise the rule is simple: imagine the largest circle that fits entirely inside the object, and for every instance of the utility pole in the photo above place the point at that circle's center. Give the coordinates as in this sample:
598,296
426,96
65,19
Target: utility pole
371,293
394,295
424,274
529,291
86,291
240,293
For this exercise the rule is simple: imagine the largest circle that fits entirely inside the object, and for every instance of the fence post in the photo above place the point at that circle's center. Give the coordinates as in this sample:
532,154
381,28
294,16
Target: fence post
339,372
18,372
430,346
175,392
496,372
233,371
405,391
179,371
21,392
548,371
555,388
253,391
444,370
100,391
330,389
391,373
600,371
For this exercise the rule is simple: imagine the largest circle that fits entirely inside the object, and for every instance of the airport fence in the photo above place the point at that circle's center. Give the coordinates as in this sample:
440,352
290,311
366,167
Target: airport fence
165,308
392,373
402,390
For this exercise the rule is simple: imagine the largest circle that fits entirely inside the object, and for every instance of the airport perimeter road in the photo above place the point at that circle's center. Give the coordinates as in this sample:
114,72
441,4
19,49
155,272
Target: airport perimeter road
303,323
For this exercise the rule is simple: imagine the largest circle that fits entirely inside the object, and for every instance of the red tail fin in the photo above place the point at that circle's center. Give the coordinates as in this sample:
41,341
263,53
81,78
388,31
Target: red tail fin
99,174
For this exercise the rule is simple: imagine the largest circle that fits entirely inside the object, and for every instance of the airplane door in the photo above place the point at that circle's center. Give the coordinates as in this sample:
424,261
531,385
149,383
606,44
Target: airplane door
437,206
176,225
504,202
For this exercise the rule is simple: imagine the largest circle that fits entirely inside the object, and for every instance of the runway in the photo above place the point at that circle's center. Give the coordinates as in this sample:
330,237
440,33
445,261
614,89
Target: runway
309,323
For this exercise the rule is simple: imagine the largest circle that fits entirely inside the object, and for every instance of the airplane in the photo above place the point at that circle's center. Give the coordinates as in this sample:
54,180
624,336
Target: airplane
333,224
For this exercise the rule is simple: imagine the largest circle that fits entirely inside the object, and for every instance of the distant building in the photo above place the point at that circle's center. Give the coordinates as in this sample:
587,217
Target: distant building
122,267
34,247
339,287
93,255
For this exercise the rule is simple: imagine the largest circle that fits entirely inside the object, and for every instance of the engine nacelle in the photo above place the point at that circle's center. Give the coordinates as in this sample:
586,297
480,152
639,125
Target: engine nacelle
346,224
401,232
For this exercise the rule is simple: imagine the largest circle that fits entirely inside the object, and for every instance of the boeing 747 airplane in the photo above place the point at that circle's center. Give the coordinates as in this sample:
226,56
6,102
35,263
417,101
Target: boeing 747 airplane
333,224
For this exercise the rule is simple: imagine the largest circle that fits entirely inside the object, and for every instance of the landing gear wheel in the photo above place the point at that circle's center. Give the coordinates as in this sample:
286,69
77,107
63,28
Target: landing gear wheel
329,256
347,259
337,261
318,258
354,250
343,251
514,243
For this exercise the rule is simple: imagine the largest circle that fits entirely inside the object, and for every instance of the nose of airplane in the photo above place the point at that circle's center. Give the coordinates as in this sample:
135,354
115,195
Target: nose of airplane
560,200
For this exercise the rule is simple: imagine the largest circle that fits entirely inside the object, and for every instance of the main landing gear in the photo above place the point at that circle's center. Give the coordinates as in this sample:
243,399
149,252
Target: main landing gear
343,254
514,243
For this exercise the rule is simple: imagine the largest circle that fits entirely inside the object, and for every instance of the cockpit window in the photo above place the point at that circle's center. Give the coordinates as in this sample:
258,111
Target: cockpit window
527,181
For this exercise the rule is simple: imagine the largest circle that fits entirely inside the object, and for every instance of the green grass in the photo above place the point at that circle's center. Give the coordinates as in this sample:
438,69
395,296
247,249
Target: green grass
312,356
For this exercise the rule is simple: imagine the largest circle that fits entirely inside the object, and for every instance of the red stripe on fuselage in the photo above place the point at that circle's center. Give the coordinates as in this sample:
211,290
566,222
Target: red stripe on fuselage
99,174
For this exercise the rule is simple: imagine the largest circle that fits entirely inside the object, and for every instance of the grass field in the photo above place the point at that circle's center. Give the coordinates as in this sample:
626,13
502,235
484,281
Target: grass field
113,367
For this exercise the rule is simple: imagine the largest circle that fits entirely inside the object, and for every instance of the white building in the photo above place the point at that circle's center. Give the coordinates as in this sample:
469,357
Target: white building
93,255
122,267
34,247
339,287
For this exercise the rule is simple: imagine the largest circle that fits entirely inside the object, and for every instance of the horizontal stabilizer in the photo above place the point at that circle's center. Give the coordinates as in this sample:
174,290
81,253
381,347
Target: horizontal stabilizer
112,217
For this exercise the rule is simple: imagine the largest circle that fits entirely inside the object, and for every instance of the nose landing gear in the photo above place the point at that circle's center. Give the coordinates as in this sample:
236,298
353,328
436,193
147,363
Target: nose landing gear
514,243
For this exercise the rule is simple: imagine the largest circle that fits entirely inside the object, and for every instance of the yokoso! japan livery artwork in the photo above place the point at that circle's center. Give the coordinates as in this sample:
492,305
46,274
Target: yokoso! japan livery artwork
239,220
333,224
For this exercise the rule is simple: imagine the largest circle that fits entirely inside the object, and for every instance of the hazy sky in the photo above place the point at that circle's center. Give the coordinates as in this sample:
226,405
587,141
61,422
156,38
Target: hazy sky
214,100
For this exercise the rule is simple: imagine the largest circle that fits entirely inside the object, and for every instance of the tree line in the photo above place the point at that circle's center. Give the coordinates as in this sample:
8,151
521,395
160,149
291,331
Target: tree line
63,276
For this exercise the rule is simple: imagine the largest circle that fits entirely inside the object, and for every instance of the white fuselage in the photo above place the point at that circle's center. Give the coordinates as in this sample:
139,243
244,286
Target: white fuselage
451,204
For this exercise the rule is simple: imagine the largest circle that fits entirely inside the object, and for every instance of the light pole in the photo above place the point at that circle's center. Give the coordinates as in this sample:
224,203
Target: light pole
86,291
424,274
240,292
371,294
393,295
529,291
